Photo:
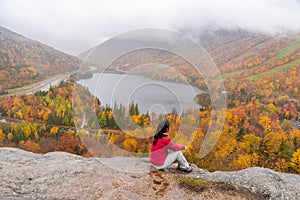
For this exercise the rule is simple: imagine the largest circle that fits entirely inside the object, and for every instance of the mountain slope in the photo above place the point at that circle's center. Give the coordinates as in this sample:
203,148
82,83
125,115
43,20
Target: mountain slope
237,53
23,61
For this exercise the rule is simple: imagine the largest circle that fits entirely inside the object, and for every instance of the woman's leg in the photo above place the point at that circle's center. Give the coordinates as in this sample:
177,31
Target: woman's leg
172,157
182,161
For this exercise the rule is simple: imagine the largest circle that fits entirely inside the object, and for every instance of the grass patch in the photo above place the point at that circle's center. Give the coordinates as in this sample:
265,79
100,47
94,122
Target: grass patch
274,70
232,74
270,71
285,51
200,185
293,46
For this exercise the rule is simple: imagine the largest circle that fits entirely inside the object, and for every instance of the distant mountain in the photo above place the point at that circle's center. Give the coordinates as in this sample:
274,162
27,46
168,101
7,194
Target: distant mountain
210,39
237,53
23,61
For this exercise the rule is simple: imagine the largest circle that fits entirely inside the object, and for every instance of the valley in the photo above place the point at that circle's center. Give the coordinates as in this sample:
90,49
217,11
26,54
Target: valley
261,77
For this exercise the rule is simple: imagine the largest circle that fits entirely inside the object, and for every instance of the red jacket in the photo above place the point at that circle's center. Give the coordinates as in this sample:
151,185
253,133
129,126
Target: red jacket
159,151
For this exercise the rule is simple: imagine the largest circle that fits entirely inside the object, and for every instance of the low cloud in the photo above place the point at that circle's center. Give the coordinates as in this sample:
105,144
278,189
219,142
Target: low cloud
76,25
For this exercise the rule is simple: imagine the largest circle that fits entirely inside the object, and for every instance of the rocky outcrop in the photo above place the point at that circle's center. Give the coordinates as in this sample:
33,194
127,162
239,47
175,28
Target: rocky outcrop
265,182
59,175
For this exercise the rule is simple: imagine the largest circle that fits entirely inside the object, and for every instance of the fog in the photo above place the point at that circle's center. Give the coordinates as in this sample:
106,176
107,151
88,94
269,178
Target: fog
76,25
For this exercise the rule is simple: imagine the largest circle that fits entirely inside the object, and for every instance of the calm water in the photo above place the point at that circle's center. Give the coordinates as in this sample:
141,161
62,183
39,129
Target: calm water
151,95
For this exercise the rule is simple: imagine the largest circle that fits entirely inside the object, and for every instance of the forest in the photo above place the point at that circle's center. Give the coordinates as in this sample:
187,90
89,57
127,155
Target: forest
258,130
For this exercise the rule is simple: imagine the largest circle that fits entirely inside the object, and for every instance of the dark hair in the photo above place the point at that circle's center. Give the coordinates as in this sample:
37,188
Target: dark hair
161,129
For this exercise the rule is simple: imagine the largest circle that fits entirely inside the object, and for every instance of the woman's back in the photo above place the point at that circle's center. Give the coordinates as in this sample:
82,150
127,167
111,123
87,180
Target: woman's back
159,151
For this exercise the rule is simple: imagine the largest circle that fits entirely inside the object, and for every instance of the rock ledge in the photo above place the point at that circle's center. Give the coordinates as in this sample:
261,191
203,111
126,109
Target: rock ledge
60,175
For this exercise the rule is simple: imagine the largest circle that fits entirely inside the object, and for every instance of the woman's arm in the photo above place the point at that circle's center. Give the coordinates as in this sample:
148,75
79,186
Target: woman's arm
173,146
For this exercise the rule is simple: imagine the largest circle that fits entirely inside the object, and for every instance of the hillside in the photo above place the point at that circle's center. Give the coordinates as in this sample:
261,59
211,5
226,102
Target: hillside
58,175
24,61
239,55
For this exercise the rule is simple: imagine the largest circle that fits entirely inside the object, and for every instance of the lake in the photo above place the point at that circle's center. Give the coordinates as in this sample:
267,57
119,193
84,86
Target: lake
150,95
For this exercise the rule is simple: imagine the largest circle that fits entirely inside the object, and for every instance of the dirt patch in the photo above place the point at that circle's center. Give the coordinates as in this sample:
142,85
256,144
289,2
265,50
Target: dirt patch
159,183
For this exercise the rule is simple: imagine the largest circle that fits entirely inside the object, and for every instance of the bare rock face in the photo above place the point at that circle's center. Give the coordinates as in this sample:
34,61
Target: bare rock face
59,175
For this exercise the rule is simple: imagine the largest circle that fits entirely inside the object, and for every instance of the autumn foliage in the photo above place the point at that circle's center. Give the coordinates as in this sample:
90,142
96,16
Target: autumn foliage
262,83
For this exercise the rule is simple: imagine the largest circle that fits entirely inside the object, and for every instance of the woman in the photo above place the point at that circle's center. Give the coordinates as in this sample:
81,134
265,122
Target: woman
164,152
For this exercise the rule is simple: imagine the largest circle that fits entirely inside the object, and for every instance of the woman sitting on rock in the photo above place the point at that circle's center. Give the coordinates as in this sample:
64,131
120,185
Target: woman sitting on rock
164,152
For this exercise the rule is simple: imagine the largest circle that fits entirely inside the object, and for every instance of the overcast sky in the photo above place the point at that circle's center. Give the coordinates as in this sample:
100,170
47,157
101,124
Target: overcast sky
76,25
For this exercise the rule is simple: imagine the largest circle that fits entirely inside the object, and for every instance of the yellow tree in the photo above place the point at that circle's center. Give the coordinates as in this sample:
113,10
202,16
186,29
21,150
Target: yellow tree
130,144
54,130
251,143
27,130
1,137
35,131
295,161
245,161
10,136
265,122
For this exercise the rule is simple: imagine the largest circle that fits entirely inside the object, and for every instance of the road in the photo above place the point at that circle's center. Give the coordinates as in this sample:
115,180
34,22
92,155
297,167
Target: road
42,85
45,85
9,120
